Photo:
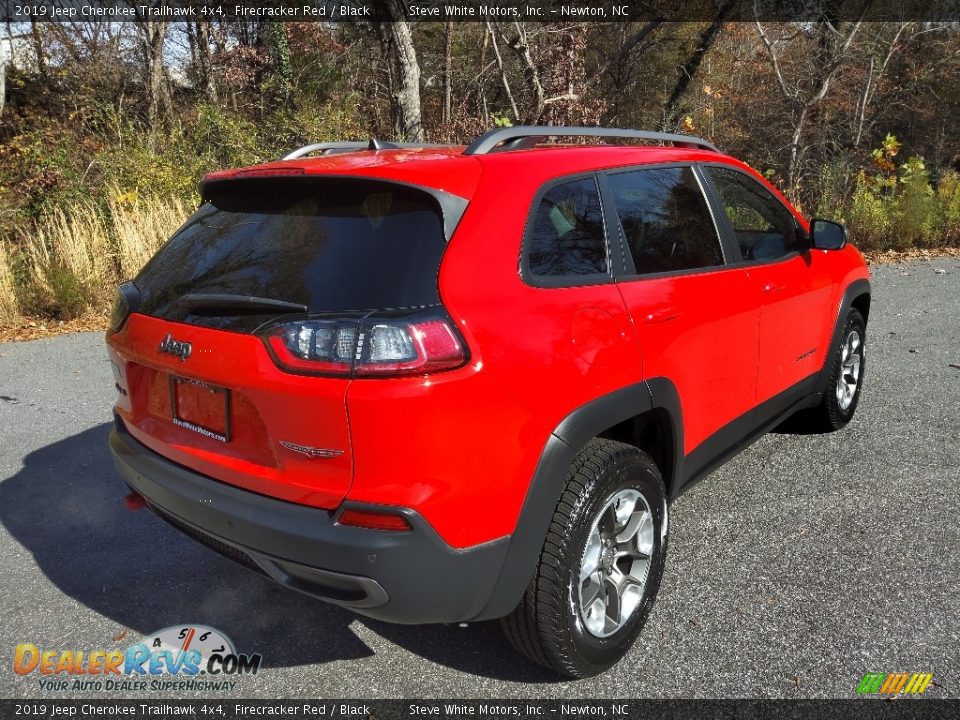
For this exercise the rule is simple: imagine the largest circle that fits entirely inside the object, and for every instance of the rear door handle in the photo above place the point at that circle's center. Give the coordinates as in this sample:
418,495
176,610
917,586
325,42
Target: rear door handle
661,315
771,288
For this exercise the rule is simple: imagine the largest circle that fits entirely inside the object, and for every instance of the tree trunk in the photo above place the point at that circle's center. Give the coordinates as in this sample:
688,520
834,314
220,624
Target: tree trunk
154,34
204,63
521,46
280,54
447,71
408,121
831,53
482,109
672,112
618,69
793,167
503,72
37,47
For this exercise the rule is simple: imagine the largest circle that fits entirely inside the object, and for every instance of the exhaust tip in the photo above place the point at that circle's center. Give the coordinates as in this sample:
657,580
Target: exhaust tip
134,501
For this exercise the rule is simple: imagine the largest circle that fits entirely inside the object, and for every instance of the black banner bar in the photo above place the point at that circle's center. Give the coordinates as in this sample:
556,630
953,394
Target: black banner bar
213,709
557,11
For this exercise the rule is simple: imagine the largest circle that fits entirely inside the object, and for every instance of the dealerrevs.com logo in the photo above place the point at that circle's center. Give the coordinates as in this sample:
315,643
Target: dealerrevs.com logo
182,657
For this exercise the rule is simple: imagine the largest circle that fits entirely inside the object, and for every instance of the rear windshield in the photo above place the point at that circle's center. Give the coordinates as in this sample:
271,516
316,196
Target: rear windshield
333,245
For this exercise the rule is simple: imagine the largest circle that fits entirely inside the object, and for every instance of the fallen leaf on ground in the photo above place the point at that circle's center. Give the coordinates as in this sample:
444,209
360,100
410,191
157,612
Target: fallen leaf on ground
28,329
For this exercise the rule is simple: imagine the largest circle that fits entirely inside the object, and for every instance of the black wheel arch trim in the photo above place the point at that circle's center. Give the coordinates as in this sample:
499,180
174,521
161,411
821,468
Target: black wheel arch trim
853,291
546,486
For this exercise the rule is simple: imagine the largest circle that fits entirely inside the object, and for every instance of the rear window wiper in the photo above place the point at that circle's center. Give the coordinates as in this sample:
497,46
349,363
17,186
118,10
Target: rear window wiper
208,302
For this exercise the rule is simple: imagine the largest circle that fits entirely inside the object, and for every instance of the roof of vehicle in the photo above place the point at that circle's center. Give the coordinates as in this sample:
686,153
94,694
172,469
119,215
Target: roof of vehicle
449,169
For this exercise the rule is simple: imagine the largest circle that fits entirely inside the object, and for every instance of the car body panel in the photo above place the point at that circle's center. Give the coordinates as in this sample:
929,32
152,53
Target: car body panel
269,406
478,454
684,324
795,300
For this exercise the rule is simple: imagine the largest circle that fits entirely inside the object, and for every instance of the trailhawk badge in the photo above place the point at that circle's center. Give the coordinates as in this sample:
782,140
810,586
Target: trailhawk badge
311,452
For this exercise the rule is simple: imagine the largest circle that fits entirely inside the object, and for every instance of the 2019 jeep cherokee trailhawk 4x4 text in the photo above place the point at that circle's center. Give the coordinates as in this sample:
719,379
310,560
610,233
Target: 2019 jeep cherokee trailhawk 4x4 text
437,384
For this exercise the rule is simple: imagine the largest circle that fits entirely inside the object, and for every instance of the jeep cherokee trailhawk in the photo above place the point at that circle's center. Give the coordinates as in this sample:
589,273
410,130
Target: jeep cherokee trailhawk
446,384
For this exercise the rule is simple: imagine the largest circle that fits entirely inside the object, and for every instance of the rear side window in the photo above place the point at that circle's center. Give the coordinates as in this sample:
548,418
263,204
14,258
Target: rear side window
665,219
567,238
333,245
764,228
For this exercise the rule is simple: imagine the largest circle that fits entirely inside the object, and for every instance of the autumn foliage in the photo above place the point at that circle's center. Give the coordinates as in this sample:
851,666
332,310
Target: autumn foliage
101,148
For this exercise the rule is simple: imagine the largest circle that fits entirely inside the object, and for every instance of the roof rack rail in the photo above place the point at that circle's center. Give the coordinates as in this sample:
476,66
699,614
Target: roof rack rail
524,137
325,148
336,148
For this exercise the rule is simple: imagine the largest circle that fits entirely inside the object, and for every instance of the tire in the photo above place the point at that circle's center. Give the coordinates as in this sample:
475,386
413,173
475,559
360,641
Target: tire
551,625
837,407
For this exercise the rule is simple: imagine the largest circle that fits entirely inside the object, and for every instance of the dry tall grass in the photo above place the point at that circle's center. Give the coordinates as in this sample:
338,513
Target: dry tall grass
8,295
75,257
140,227
69,260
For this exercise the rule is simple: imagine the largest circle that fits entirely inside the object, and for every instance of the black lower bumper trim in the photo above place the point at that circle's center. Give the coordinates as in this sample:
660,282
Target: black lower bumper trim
347,590
407,577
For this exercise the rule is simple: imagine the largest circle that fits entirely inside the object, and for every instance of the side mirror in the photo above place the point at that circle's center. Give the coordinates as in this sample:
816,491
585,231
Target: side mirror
827,235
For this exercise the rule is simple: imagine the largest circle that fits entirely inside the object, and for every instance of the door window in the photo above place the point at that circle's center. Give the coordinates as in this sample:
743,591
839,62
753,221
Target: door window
567,238
665,219
764,228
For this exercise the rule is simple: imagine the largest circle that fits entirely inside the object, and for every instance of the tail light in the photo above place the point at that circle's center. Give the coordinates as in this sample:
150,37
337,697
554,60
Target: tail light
322,347
374,346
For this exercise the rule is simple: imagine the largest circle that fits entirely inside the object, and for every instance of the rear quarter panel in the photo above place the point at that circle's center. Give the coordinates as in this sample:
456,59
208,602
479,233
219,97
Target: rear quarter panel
541,353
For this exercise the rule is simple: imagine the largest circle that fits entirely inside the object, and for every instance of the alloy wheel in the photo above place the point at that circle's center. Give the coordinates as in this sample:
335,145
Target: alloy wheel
615,563
849,380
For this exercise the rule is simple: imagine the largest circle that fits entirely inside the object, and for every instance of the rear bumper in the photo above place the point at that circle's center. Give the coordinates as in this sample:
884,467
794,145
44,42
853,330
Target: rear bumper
408,577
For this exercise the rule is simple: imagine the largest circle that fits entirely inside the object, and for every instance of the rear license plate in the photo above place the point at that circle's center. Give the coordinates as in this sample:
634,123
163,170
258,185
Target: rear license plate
202,408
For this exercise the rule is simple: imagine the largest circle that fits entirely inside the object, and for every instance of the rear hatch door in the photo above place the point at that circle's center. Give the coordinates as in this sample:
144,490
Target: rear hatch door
197,383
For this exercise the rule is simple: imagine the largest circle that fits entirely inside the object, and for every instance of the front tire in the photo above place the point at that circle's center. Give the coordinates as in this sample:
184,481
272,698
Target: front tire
601,564
842,395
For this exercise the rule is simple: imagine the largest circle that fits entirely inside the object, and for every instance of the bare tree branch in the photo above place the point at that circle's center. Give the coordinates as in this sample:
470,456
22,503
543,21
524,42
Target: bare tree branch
503,71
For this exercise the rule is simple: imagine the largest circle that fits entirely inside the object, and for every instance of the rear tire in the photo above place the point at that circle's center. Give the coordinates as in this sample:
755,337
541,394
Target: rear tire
601,564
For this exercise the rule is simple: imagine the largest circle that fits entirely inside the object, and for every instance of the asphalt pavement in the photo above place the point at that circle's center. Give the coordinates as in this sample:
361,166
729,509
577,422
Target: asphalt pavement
799,566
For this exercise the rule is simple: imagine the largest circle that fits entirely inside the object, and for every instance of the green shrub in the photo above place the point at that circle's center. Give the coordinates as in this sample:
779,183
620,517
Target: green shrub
220,139
915,210
870,215
309,122
948,209
833,189
897,207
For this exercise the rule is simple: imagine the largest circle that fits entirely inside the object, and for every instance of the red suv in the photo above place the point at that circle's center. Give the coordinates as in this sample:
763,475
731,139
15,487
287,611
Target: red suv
446,384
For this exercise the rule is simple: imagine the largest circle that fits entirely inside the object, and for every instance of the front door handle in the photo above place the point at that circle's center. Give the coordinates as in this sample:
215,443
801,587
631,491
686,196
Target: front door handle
661,315
772,288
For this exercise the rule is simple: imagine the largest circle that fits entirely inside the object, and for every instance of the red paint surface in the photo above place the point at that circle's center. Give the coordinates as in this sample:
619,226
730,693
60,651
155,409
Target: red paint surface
460,447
